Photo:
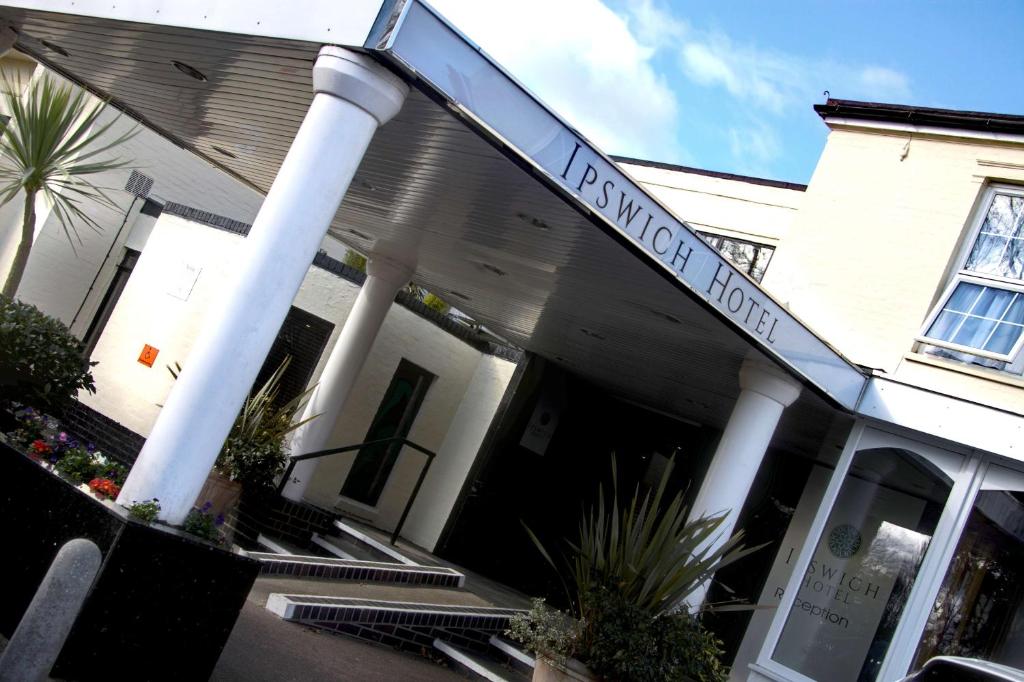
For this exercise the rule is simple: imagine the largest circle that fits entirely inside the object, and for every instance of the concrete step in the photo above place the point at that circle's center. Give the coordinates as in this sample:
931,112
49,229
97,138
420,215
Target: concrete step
403,624
333,547
374,541
325,568
511,654
340,545
479,666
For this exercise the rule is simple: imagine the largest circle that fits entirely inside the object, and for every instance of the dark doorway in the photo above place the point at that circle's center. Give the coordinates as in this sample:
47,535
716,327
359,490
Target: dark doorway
303,337
395,415
110,299
519,486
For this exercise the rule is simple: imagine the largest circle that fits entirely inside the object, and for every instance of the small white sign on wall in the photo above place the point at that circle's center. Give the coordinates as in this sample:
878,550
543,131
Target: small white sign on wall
182,279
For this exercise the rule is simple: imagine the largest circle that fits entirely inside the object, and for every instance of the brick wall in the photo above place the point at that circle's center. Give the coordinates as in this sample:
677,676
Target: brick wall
107,435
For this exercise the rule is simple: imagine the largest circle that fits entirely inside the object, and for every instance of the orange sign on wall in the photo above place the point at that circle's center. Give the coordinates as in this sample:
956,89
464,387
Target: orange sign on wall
148,355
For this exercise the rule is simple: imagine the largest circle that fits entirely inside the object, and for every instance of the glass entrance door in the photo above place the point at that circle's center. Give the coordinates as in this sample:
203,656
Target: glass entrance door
866,561
978,610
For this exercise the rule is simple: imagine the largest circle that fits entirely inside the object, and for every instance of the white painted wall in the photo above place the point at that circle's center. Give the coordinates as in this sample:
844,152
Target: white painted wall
60,271
732,207
458,451
406,335
873,244
468,386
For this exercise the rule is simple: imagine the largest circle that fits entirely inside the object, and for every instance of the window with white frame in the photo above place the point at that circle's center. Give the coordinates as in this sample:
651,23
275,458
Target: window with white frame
980,317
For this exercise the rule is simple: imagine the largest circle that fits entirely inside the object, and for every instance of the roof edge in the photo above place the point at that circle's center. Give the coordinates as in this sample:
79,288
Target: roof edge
749,179
926,116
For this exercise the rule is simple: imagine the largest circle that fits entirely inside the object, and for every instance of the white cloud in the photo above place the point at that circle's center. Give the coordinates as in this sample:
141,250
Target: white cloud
777,81
588,63
758,143
610,73
654,26
880,83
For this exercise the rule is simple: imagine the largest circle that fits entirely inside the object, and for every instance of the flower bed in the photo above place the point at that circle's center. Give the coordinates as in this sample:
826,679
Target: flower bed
164,602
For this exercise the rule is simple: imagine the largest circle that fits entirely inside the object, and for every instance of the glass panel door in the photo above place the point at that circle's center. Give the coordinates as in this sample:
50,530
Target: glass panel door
978,611
865,563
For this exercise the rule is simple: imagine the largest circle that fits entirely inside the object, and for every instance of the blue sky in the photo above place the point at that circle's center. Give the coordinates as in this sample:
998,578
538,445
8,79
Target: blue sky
729,85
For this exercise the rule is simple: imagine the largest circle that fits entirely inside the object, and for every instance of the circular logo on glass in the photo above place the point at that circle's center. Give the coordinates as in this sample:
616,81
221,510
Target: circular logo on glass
844,541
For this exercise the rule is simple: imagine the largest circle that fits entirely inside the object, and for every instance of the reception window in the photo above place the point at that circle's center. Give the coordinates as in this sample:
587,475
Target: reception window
980,317
866,562
915,552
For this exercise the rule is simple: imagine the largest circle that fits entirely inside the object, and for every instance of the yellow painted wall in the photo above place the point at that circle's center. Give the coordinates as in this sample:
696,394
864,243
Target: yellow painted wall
874,243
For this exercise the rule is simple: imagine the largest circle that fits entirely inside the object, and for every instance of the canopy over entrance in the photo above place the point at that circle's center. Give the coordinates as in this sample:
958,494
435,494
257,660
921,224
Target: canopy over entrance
512,215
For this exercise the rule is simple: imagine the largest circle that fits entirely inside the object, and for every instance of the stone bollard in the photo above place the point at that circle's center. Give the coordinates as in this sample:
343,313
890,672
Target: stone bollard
40,636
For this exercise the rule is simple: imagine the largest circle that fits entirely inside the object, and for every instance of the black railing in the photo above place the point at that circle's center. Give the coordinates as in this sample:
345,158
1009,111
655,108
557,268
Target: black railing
349,448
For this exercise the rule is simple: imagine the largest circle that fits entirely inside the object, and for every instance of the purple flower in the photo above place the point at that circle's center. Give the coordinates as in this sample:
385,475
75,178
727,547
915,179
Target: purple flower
62,437
219,521
206,507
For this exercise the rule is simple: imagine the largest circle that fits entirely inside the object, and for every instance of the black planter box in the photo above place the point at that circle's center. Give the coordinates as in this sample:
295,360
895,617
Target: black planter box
163,604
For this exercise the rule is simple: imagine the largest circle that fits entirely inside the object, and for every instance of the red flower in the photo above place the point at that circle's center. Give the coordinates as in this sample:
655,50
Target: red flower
104,487
40,447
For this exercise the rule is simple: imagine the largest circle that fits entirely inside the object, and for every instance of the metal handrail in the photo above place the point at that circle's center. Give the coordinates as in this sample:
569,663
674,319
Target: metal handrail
349,448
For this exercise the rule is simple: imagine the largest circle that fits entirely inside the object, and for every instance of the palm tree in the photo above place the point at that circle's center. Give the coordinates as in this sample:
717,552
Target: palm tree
50,147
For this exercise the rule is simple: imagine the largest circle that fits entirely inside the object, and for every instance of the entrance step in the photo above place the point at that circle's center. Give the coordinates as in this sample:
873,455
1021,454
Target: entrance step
363,536
402,624
511,654
326,568
332,548
479,666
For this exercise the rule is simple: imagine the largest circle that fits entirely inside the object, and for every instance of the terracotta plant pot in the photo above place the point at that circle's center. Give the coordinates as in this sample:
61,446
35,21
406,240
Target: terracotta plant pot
573,671
221,492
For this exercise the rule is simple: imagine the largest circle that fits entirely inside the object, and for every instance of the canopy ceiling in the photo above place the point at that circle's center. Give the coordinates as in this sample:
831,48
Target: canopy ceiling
493,236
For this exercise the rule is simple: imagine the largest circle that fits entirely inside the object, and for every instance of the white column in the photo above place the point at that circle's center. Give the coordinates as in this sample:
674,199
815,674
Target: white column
354,95
383,280
766,391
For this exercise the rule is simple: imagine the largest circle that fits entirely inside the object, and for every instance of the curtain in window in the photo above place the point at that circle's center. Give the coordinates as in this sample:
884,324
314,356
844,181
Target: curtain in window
999,249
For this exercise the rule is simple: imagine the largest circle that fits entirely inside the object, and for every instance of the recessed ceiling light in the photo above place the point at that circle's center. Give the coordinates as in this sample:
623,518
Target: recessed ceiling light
530,220
458,294
53,47
665,316
492,269
592,334
189,71
225,152
358,234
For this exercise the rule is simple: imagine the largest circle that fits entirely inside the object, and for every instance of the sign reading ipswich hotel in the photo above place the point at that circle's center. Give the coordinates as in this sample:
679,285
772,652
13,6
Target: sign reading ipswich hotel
428,47
601,186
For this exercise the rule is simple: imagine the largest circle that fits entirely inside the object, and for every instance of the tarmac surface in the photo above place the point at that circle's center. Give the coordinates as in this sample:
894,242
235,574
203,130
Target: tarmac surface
264,647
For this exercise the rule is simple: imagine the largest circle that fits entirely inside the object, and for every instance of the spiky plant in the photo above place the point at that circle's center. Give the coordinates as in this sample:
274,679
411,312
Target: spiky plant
51,146
253,452
651,556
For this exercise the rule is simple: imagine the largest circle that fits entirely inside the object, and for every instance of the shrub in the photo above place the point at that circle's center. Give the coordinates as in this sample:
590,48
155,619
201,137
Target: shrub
435,303
41,362
78,465
145,511
354,259
546,632
203,524
625,643
632,567
82,465
254,451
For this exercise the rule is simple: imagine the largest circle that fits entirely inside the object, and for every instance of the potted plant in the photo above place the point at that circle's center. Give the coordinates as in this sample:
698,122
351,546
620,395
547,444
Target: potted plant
254,454
627,577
